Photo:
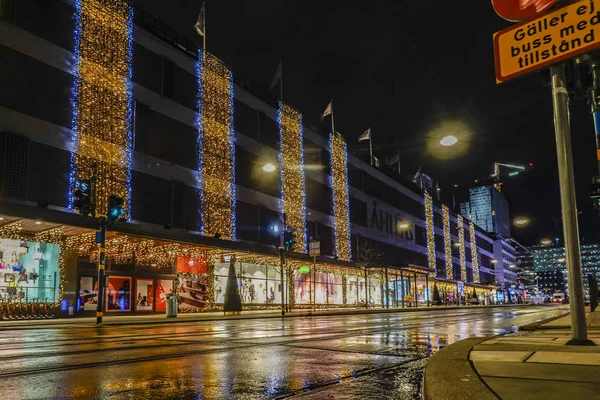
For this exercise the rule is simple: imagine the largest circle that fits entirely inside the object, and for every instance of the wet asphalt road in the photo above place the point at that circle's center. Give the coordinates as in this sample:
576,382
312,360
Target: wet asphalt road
372,356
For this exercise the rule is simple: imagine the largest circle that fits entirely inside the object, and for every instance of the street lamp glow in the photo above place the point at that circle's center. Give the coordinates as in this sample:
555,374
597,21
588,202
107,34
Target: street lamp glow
561,260
521,221
403,225
268,167
449,141
546,242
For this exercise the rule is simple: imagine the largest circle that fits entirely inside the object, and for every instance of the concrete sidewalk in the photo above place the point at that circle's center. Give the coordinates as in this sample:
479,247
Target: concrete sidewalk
534,366
90,322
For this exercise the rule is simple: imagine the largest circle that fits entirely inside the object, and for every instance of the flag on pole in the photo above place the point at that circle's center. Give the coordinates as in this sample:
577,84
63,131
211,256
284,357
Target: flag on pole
200,25
276,76
327,111
365,136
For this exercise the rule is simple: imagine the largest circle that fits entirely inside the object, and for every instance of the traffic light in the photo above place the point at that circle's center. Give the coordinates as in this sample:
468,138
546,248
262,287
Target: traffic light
82,198
115,208
289,238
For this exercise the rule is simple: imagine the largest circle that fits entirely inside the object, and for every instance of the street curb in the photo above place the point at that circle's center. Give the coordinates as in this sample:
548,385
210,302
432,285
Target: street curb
536,325
42,324
450,375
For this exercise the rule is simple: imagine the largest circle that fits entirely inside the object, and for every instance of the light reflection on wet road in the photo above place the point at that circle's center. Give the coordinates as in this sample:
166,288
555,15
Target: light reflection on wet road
342,356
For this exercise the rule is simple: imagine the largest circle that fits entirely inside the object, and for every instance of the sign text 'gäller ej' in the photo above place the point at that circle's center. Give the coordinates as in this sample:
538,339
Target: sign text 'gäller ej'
552,37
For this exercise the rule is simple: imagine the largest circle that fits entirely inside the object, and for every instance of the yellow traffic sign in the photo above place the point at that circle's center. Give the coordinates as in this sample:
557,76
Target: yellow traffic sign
550,38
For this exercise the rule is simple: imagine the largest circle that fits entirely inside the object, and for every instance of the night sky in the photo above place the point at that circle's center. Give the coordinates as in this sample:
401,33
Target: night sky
413,71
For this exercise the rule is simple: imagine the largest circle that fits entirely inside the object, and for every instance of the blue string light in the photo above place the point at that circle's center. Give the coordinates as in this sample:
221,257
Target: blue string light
199,126
74,108
232,147
129,146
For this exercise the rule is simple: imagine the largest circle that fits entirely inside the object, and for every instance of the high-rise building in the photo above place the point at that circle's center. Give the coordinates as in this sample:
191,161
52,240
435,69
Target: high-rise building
546,258
488,208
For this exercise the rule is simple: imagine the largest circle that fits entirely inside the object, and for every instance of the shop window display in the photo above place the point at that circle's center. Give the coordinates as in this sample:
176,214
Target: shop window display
303,284
352,291
29,270
144,294
273,285
335,292
193,291
163,287
374,291
118,294
258,284
88,294
328,288
192,282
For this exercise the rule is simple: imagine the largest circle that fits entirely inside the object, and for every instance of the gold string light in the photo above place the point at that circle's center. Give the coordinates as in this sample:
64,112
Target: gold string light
442,285
102,100
291,164
474,260
52,235
341,209
430,232
12,230
344,289
216,149
461,244
80,245
447,243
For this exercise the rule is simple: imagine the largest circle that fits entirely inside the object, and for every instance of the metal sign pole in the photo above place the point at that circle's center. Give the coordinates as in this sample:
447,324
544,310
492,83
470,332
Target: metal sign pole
560,102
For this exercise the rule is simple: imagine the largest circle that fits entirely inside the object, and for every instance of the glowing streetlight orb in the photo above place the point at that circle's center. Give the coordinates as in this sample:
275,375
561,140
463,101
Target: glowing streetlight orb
521,221
403,225
546,242
268,167
449,141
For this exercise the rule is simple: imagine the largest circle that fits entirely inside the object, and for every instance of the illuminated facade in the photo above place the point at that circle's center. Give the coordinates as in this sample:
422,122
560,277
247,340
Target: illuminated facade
102,99
447,242
216,156
430,232
341,197
164,126
291,166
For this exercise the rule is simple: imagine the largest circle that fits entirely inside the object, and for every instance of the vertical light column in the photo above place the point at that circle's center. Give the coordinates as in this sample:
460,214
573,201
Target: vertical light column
291,167
102,100
216,148
430,232
461,243
447,241
474,260
341,199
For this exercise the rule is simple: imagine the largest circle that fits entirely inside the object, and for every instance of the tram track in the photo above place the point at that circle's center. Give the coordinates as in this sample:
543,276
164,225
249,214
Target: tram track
173,339
323,386
189,352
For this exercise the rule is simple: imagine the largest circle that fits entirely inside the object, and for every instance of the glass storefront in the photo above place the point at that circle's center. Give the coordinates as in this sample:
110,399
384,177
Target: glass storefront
29,271
257,284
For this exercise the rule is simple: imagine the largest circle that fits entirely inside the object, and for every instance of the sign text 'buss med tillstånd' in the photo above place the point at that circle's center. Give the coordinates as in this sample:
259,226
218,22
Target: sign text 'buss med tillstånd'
550,38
